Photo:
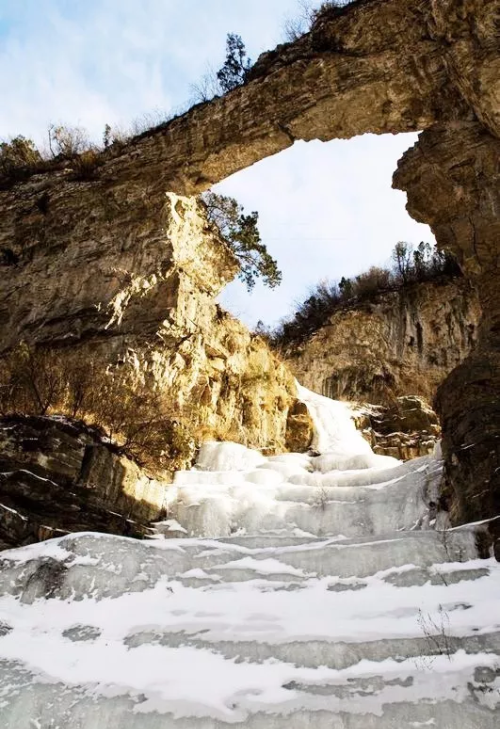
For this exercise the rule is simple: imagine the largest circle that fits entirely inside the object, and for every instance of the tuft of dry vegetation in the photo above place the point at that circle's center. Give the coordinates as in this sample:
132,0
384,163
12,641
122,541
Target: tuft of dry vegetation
68,147
19,158
309,14
85,166
138,420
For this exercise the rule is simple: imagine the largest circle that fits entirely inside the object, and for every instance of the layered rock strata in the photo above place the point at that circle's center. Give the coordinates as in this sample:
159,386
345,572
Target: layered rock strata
404,342
452,177
129,281
59,476
407,429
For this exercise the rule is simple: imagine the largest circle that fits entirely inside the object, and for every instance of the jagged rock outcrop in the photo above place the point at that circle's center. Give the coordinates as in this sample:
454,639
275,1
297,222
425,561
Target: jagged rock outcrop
380,66
129,282
406,429
59,476
404,342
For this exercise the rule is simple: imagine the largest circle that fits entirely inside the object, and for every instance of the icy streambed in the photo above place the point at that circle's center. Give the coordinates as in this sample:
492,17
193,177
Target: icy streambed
306,591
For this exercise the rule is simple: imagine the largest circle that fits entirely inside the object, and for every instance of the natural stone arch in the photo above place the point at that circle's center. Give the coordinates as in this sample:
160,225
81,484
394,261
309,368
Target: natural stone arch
379,66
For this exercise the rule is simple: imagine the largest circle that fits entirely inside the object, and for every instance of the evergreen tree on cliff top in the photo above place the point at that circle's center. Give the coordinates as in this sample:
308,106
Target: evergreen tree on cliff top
236,65
241,234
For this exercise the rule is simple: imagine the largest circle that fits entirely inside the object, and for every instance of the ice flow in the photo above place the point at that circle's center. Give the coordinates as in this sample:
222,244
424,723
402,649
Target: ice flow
343,489
303,590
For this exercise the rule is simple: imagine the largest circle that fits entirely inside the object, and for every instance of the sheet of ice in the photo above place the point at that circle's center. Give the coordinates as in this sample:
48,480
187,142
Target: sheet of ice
228,457
279,494
233,489
318,596
335,431
202,647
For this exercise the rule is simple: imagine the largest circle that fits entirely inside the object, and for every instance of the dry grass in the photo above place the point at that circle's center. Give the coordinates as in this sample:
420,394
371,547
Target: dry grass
138,419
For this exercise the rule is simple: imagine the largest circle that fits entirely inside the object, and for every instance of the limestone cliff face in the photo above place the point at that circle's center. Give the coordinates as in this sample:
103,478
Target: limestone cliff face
452,177
130,281
404,343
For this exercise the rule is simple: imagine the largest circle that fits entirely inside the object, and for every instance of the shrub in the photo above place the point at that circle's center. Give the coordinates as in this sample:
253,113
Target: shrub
86,164
207,88
410,266
19,157
308,15
372,282
231,74
329,6
137,419
67,141
236,65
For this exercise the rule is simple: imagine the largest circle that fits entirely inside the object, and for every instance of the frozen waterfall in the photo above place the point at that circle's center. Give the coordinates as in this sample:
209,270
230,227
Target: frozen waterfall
341,490
280,592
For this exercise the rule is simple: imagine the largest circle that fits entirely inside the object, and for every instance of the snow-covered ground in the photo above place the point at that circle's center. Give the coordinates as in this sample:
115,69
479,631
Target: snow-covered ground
305,591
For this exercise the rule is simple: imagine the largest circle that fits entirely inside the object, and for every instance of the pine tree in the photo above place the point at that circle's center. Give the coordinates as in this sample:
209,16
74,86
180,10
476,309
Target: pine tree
236,65
241,234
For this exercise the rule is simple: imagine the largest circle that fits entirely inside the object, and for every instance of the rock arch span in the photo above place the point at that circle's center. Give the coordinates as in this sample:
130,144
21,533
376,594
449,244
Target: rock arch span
380,66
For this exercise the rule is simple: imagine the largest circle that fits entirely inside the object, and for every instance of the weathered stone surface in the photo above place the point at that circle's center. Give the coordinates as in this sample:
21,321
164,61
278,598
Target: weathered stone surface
409,414
130,280
407,429
469,406
404,342
452,177
380,66
58,476
107,263
299,428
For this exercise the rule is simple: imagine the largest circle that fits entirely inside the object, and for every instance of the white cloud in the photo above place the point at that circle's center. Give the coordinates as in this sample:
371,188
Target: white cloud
110,61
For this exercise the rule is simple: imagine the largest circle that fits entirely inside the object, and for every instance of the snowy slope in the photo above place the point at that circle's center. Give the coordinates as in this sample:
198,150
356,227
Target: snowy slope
307,591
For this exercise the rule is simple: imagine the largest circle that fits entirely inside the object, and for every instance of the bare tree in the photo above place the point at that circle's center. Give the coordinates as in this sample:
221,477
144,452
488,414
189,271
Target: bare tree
68,141
402,257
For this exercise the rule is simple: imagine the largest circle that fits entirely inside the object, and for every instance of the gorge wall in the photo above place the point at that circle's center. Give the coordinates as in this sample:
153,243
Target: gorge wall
403,343
104,286
129,283
380,66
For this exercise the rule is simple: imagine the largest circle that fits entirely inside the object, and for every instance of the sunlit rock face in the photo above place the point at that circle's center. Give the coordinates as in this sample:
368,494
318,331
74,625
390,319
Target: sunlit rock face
128,280
108,281
321,595
401,343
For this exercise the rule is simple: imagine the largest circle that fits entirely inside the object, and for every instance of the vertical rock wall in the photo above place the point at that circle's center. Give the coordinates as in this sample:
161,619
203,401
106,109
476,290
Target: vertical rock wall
403,343
452,177
129,282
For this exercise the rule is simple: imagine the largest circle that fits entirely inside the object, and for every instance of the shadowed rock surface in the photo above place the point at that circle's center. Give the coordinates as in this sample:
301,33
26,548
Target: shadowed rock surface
59,476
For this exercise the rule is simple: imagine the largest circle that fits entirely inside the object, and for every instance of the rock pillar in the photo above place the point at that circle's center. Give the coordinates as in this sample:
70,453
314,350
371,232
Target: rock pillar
452,177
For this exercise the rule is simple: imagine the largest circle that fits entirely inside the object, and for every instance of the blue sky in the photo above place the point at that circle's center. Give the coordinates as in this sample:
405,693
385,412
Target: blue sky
326,210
